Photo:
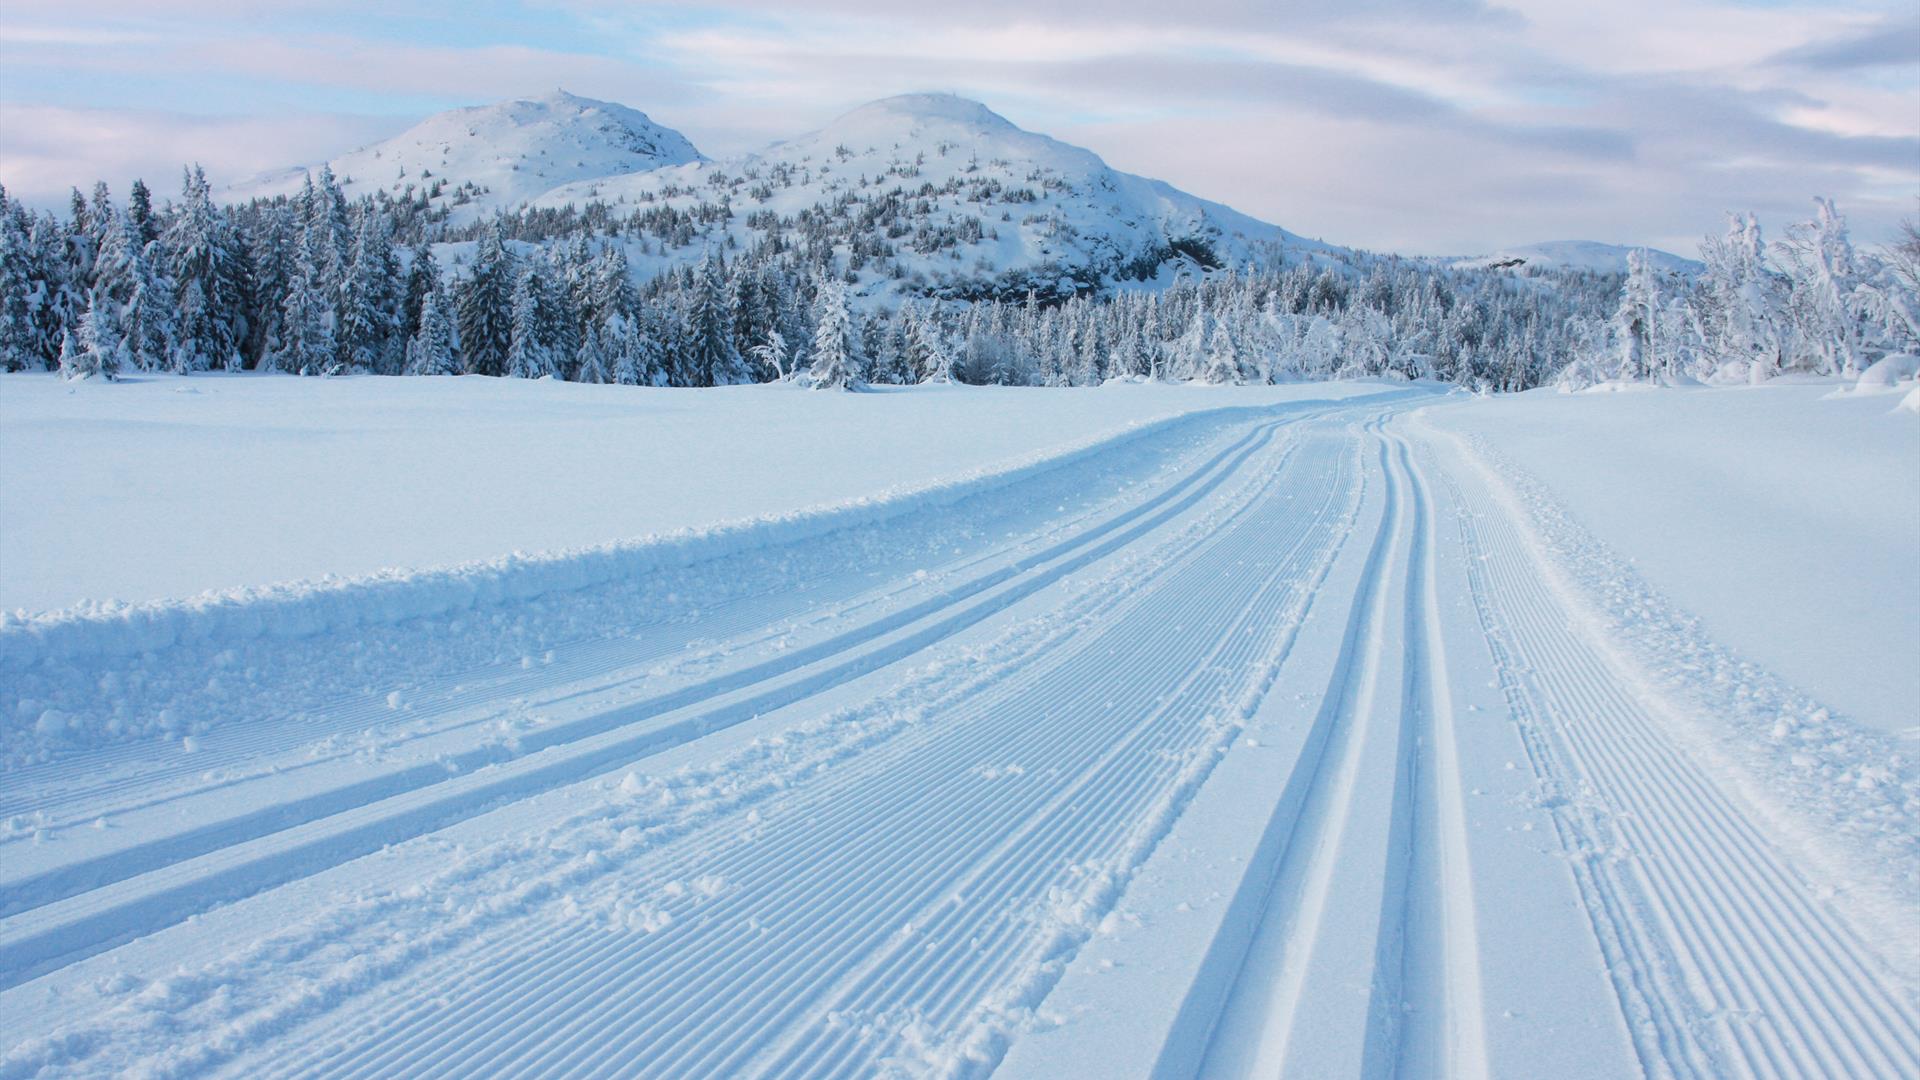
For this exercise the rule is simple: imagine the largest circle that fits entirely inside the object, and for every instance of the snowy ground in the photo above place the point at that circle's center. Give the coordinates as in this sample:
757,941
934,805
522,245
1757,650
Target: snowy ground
1343,730
163,487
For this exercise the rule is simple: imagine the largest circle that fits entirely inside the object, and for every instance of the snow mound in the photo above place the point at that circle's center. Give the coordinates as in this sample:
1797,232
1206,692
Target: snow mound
499,155
1887,373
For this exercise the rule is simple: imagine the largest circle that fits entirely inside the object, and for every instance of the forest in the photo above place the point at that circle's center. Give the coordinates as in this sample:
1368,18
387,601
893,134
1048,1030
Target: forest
318,284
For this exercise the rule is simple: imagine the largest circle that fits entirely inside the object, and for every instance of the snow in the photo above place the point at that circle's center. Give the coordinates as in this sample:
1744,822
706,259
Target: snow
1322,730
1587,255
163,487
513,149
1784,521
1055,205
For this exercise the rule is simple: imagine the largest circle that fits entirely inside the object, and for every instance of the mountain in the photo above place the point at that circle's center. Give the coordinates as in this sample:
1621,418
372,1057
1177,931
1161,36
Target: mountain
1585,255
938,195
497,156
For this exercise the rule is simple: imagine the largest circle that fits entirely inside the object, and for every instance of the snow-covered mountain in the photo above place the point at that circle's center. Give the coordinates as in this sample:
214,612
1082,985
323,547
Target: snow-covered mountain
939,195
1588,255
499,155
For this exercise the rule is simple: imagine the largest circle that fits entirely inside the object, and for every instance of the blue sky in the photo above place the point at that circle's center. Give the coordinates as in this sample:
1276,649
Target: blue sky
1442,126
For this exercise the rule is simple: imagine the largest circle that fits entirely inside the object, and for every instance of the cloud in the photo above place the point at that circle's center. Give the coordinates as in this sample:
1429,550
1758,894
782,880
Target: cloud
1405,124
45,150
1885,44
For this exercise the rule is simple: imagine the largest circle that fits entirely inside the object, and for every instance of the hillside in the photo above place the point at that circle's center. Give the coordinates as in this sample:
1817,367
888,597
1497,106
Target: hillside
1587,255
497,156
953,197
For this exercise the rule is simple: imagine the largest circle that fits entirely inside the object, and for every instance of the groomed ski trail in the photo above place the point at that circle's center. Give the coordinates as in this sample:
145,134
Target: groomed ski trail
1220,759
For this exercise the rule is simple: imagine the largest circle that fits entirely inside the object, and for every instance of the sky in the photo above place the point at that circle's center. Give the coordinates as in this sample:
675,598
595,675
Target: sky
1417,126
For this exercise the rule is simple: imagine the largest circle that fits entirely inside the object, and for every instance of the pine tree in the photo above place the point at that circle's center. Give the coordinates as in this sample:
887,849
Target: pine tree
485,306
101,351
200,264
19,291
369,309
527,353
591,363
431,350
140,212
836,343
711,357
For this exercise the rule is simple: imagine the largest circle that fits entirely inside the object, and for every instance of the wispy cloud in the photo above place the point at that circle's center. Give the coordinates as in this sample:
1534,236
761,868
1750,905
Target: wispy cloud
1410,124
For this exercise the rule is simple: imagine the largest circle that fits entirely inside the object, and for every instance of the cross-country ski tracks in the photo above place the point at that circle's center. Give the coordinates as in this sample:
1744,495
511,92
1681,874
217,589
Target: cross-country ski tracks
1724,960
243,855
833,943
1364,959
153,901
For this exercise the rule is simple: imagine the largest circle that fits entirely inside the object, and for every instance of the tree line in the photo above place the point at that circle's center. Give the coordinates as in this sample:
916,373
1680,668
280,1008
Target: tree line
317,284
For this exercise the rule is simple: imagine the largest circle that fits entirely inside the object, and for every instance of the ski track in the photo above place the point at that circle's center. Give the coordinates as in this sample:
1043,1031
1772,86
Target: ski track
863,825
1724,960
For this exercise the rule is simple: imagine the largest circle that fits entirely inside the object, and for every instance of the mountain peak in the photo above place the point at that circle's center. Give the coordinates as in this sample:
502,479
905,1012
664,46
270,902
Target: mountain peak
951,108
499,155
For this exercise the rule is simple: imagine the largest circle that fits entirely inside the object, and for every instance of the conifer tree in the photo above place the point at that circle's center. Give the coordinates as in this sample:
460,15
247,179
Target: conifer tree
837,361
431,350
486,306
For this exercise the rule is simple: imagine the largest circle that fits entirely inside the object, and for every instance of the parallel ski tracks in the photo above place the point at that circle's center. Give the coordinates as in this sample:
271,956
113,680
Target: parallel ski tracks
112,901
1724,961
1326,988
848,982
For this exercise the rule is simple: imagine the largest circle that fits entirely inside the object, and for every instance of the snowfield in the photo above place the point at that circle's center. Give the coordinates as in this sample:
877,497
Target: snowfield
1158,731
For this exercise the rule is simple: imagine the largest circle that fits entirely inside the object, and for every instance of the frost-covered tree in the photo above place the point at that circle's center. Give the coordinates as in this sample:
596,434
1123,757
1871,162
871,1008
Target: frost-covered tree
590,365
771,354
1636,320
431,350
1822,271
200,262
99,349
711,358
528,353
1739,300
836,350
486,306
370,305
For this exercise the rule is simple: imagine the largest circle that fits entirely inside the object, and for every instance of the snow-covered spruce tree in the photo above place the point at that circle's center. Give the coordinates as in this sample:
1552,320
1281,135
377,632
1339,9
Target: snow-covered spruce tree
369,337
19,291
591,363
485,305
422,278
932,349
147,320
305,345
634,356
204,278
837,362
99,349
528,355
431,350
711,358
